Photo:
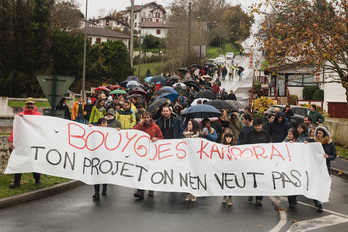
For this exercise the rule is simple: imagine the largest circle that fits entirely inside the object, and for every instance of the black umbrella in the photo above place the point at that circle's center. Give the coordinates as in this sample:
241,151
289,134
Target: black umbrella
201,111
165,89
183,70
133,78
160,102
191,84
205,94
175,77
220,104
156,79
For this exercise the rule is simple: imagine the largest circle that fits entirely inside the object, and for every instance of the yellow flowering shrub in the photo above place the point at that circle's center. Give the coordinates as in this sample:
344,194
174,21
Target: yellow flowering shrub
262,104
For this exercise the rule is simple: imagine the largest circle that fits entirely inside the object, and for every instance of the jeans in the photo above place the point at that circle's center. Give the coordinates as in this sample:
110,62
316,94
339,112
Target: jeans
79,118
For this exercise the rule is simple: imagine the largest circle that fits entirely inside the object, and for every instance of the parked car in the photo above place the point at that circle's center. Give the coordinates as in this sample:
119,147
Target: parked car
221,56
229,56
299,113
220,61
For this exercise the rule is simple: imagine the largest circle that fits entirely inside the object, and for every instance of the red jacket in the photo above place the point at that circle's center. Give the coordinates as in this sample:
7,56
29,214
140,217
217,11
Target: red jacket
152,129
216,88
26,111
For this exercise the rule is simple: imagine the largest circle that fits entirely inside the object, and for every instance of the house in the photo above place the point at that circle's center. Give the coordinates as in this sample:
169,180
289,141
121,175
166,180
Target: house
290,79
149,18
97,35
111,22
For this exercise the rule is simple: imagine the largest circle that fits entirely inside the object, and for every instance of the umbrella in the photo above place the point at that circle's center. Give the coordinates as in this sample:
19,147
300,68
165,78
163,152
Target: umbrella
170,96
157,104
201,111
193,66
179,85
209,64
206,77
132,84
180,90
191,84
183,70
141,92
235,104
102,88
114,87
220,104
165,89
124,83
159,78
133,78
117,91
138,88
196,100
135,95
206,94
176,77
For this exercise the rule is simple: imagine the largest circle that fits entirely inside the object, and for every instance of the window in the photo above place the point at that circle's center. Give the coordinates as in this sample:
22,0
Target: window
142,19
158,32
150,19
107,22
301,79
135,24
98,40
135,16
157,20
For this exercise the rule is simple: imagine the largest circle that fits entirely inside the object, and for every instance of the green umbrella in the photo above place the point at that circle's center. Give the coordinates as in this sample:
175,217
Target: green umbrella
117,91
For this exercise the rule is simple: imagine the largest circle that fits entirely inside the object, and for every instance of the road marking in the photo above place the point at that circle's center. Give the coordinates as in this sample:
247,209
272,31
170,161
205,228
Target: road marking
317,223
282,215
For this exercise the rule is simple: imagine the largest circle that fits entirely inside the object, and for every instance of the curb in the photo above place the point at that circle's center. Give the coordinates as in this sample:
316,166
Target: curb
39,194
344,173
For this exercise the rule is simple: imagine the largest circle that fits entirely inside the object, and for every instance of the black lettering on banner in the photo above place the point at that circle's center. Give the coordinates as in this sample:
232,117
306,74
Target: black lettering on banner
244,182
37,150
164,177
286,179
183,179
307,180
95,165
298,183
225,180
141,168
56,152
167,177
254,177
72,163
116,166
85,165
160,174
198,182
103,162
125,169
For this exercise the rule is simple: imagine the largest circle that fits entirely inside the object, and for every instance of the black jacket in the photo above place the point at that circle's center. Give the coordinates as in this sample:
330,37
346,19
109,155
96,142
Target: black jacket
254,137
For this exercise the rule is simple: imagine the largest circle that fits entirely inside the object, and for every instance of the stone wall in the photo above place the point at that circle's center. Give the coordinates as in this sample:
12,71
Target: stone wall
338,128
4,153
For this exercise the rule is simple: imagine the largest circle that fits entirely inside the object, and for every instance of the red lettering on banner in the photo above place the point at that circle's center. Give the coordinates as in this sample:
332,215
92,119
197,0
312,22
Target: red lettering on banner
288,151
228,153
247,157
140,147
234,155
155,153
275,154
95,131
111,149
129,140
76,136
161,151
202,148
215,149
176,148
261,154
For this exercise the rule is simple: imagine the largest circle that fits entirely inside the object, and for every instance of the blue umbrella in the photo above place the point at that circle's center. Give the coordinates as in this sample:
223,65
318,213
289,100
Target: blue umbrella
170,96
201,111
159,78
166,89
124,83
133,78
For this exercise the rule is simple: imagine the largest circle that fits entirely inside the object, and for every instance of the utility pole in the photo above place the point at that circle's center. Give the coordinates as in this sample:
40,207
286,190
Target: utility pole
84,58
139,52
131,33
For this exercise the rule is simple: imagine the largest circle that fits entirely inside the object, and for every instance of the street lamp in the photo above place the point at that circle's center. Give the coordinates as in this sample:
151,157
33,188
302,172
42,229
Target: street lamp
141,26
84,58
200,46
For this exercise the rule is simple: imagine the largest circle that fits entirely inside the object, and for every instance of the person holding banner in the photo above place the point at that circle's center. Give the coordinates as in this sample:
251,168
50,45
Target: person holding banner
147,125
169,124
229,140
101,122
257,135
29,109
192,131
208,131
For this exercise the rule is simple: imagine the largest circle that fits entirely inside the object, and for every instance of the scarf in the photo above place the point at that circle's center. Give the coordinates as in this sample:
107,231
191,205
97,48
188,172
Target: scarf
323,140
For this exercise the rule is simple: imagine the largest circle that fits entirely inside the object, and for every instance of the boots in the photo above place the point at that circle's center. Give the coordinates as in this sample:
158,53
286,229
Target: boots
104,189
139,194
96,195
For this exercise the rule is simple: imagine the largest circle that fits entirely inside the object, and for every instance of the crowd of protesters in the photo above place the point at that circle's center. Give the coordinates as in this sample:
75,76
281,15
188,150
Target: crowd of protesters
129,111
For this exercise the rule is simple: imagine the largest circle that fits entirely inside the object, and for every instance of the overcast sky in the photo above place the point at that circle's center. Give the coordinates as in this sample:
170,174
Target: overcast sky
96,6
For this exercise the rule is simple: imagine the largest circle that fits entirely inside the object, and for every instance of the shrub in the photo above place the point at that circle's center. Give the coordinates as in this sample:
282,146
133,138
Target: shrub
293,99
261,104
257,84
308,92
319,95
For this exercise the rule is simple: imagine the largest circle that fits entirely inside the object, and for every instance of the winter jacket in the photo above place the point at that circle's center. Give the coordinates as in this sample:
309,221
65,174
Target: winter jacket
75,110
302,137
288,115
254,137
245,130
278,131
328,147
26,111
211,136
316,117
67,114
127,118
114,123
177,126
96,114
152,129
236,126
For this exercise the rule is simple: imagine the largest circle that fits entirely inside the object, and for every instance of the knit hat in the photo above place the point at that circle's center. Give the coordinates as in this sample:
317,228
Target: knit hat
30,100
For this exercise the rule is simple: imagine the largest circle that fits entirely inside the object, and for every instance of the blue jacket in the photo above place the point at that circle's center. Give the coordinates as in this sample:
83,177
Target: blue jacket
177,127
212,135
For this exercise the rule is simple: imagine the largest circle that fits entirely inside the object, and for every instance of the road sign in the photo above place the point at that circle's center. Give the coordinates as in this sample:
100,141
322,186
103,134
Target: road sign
54,88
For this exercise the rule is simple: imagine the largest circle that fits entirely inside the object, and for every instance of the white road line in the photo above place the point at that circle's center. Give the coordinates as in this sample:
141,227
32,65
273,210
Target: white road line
317,223
282,215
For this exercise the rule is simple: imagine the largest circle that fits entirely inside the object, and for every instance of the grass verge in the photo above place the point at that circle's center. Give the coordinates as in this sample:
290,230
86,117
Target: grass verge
22,104
27,184
154,68
342,151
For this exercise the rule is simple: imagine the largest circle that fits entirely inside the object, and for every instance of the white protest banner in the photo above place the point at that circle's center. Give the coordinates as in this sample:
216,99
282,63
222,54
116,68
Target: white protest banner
128,158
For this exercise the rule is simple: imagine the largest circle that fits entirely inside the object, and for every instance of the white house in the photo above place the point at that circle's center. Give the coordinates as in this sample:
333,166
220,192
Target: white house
149,18
97,35
110,22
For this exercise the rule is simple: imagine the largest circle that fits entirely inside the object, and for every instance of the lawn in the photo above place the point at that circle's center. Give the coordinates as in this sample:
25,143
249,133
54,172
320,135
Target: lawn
216,51
22,104
154,68
27,184
342,151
